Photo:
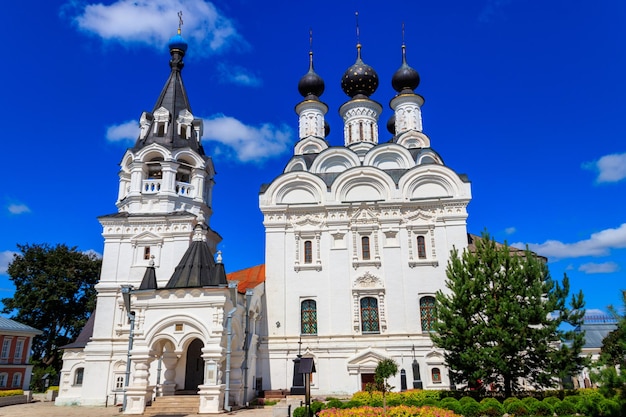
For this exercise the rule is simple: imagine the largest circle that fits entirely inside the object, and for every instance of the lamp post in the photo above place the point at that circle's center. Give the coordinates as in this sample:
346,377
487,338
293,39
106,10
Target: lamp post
126,293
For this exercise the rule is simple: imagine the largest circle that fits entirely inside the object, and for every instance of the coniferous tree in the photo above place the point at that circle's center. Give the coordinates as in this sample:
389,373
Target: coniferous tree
503,318
54,292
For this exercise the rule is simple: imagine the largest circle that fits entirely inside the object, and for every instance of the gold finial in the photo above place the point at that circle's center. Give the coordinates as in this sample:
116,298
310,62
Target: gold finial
180,20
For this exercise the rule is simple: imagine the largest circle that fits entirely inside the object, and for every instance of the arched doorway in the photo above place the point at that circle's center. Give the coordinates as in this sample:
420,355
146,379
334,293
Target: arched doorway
194,368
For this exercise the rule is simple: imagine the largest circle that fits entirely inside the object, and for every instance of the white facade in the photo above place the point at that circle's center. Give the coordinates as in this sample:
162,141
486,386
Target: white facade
190,325
356,230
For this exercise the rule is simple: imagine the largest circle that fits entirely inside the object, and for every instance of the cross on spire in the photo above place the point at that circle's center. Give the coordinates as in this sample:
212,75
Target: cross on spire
180,20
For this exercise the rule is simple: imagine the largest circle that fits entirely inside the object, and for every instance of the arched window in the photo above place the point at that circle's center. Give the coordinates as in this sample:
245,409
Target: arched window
308,317
365,248
436,375
308,252
369,315
78,376
17,380
428,313
119,383
421,247
3,379
161,129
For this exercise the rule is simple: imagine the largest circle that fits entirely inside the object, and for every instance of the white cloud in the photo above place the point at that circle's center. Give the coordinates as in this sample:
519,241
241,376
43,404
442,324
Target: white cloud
235,74
599,268
247,143
18,208
610,168
510,230
124,132
153,22
6,258
598,244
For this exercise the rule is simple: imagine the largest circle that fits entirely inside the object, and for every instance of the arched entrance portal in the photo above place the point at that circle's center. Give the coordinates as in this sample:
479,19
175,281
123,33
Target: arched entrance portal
194,368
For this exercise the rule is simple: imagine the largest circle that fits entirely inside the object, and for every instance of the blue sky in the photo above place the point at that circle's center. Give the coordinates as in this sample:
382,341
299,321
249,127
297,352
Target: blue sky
526,98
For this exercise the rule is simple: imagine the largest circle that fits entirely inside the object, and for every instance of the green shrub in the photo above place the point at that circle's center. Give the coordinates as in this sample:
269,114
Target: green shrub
470,408
451,404
541,408
589,403
551,400
491,407
516,407
353,404
316,406
509,400
334,403
609,408
565,408
299,412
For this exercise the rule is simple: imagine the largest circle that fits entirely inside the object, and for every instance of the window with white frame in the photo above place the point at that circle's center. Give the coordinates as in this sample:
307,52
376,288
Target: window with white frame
17,380
421,245
6,347
78,376
436,376
368,294
19,349
308,255
369,315
365,247
308,317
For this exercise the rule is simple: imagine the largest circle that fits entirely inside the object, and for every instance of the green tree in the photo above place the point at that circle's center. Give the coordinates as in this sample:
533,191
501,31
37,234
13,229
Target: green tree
610,372
385,369
503,318
54,292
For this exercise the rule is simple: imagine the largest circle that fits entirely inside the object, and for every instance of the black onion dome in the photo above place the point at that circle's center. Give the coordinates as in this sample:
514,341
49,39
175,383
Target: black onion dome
311,84
360,78
405,78
391,124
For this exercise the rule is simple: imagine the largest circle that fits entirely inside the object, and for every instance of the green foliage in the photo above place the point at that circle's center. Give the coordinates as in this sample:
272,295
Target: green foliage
491,407
316,406
470,408
54,292
610,372
399,411
565,408
541,408
609,408
502,319
334,403
299,412
451,404
516,407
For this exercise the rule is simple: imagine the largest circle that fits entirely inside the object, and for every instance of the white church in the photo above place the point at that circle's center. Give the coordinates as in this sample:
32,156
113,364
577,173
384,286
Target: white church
357,241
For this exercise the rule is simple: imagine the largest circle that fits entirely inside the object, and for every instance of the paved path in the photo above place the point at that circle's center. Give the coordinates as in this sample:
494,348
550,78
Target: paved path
48,409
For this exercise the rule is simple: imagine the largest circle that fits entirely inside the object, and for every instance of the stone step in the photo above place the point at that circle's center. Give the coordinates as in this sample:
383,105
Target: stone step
174,404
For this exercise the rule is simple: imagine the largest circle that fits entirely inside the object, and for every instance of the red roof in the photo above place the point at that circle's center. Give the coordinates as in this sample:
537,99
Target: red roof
248,278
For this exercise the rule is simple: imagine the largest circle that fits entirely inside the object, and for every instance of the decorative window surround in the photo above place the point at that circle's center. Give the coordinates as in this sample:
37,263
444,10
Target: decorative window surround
374,247
368,285
316,262
428,232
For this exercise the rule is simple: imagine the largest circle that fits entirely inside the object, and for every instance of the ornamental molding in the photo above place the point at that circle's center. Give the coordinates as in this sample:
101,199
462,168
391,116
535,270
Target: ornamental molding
368,280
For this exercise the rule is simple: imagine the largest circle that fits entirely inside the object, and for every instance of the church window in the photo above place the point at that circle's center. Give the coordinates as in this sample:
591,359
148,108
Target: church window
178,327
17,380
428,313
308,317
365,248
308,252
183,131
436,375
78,376
119,383
369,315
161,130
421,247
3,379
146,253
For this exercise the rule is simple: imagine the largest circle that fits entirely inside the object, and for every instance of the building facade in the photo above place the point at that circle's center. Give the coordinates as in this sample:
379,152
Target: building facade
357,241
16,340
182,326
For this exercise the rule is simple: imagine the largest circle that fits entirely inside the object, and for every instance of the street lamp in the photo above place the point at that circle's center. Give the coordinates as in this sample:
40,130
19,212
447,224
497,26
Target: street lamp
126,293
